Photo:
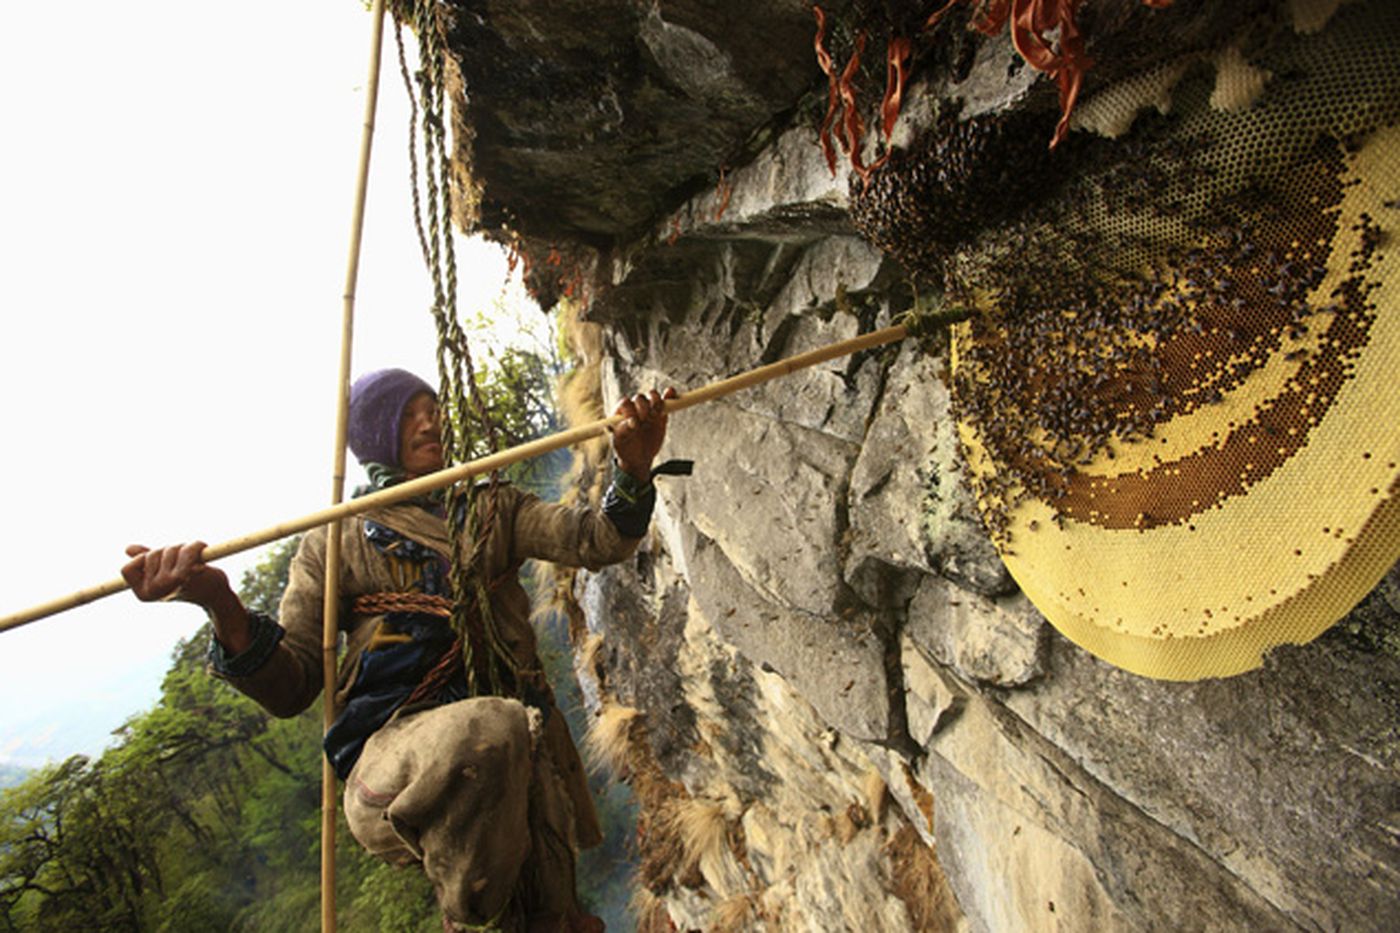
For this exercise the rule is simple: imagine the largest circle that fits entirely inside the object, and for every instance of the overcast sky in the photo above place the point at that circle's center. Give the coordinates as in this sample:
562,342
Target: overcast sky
176,188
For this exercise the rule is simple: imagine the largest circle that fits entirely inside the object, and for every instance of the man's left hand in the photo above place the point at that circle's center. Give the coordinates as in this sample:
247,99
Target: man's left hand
638,439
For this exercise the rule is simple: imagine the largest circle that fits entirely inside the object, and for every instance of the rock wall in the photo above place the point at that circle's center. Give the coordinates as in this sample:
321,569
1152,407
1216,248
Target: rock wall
819,601
837,709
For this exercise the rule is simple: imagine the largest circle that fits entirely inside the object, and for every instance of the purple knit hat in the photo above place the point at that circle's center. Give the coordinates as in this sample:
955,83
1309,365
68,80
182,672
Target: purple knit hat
377,402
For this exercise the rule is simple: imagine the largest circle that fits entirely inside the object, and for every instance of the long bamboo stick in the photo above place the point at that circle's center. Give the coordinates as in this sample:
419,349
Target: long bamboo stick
330,607
432,481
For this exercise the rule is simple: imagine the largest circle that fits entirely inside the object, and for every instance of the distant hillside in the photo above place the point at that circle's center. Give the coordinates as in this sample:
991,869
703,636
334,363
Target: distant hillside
10,775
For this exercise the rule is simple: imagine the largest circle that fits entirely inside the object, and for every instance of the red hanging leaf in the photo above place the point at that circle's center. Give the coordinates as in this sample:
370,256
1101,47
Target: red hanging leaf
842,124
573,284
934,19
833,102
851,127
896,60
1063,59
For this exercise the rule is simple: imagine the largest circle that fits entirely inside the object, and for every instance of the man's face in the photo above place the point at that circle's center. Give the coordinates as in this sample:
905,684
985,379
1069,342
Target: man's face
420,440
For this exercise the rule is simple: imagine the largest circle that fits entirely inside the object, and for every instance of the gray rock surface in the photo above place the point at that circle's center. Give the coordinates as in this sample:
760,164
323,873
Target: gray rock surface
567,99
1285,776
1000,642
838,664
909,505
766,492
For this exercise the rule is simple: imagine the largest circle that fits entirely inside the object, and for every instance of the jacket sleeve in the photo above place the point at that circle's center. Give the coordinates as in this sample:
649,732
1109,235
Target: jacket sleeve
282,668
574,536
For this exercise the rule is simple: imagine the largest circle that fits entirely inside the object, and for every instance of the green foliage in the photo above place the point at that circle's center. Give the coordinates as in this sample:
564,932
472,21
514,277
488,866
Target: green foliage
391,900
261,588
203,815
516,384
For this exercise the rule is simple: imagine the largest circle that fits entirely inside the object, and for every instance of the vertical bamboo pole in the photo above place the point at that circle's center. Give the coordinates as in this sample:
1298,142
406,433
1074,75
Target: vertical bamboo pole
331,604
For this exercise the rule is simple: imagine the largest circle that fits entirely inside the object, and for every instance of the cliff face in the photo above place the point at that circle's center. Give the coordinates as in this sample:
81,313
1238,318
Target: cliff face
848,717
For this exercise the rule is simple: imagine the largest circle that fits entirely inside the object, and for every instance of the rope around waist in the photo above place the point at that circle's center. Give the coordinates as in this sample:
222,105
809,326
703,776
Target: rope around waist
373,604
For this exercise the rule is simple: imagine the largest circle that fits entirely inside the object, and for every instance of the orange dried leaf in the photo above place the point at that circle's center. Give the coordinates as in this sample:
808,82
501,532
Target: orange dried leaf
833,102
852,124
896,59
938,15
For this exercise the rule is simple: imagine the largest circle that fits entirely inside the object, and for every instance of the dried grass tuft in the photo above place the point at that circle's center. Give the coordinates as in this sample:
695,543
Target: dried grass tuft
736,914
918,880
702,829
580,397
650,911
584,339
877,795
609,738
588,654
663,854
581,401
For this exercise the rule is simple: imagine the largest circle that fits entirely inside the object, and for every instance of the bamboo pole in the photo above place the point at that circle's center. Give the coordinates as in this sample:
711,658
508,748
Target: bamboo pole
500,460
330,606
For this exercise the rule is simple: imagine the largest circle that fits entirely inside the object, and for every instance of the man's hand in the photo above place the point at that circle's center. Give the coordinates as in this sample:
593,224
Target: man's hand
176,572
638,438
179,572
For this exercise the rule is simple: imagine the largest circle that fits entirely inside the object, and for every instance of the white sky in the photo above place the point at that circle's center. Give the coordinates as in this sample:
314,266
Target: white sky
176,185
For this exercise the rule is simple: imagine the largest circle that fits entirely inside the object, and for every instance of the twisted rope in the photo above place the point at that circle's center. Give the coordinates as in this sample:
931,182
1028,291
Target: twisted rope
374,604
459,397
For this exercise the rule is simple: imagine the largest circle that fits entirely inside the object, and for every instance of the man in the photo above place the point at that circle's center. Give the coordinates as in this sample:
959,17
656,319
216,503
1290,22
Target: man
455,759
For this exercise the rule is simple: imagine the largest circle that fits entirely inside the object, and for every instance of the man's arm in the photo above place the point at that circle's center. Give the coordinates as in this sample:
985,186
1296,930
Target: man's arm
277,667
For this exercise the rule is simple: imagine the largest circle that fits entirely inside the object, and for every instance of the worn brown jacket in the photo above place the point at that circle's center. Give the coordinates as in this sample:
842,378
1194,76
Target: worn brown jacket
521,527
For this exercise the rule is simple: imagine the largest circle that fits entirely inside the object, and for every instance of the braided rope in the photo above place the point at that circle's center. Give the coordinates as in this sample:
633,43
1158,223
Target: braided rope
381,603
412,140
459,397
441,673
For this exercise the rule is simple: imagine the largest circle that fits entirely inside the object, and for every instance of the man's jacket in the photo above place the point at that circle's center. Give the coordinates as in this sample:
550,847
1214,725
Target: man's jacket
282,669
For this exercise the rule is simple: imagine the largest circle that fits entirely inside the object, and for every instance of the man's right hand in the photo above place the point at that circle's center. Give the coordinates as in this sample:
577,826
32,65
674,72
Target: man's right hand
177,572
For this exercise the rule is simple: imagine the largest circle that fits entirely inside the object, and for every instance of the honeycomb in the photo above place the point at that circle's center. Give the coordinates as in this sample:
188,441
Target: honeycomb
1178,399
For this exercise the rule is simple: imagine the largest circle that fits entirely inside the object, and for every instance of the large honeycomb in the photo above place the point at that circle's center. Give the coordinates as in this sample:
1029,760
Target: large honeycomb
1179,400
